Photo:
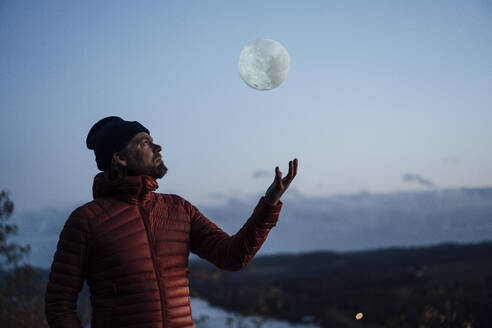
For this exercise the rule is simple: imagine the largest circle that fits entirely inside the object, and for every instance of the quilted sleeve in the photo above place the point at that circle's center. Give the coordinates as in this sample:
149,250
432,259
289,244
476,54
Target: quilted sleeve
232,252
67,273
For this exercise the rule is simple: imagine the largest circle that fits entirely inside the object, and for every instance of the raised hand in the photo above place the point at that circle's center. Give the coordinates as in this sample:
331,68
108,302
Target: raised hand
279,185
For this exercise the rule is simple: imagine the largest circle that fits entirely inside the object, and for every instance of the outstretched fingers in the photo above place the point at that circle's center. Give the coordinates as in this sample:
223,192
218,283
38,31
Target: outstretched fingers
288,177
292,171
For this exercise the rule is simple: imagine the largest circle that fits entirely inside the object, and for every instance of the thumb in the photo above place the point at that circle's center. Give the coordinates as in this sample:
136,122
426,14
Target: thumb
278,174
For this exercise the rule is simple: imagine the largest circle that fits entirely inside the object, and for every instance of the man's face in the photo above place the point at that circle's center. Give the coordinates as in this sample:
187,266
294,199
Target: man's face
143,157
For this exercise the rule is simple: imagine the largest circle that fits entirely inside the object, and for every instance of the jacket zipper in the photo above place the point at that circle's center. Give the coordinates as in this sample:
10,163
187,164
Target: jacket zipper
156,269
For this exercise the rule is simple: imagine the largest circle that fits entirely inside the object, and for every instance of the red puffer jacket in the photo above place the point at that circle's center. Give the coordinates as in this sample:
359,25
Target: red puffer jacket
132,246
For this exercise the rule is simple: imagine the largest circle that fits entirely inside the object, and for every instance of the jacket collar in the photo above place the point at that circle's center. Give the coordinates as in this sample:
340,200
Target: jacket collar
130,188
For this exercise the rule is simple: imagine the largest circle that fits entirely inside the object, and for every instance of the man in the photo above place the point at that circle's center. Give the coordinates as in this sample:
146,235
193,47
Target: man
132,244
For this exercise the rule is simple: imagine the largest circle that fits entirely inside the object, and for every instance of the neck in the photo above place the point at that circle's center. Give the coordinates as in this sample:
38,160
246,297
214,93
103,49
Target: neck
114,173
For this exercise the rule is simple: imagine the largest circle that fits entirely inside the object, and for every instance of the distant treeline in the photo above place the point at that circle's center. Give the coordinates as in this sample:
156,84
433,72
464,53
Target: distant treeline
448,285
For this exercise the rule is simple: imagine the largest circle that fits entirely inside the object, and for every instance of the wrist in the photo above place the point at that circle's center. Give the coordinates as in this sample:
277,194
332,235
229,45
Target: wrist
270,201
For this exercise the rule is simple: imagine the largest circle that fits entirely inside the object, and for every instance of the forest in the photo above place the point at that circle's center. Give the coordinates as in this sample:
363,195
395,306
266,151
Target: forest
446,285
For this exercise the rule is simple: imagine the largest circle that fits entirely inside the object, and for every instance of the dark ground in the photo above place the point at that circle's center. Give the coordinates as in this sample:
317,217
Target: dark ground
447,285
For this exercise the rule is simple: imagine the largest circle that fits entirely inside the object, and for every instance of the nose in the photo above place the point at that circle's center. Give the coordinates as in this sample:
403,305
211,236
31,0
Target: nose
157,148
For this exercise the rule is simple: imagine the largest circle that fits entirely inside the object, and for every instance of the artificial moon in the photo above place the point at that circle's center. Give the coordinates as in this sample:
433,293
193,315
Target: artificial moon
264,64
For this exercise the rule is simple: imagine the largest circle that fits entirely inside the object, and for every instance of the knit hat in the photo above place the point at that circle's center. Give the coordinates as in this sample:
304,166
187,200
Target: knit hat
110,135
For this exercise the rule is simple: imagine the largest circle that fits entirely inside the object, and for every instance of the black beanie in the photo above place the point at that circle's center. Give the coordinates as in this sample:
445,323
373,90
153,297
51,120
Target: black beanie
110,135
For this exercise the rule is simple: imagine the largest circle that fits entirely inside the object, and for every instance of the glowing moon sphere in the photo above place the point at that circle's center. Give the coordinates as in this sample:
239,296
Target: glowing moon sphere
264,64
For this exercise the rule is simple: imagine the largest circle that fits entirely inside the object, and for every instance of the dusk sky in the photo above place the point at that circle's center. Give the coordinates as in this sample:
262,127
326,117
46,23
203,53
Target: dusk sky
381,97
376,90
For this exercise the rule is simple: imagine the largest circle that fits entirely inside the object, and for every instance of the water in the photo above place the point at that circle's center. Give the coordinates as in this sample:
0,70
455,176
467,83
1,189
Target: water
207,316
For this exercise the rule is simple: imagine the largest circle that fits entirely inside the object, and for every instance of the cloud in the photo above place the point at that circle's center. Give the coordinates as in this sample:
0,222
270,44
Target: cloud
218,195
40,229
309,223
451,160
261,174
365,220
415,177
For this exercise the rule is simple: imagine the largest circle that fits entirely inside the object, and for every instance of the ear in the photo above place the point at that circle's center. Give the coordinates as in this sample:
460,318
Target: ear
118,158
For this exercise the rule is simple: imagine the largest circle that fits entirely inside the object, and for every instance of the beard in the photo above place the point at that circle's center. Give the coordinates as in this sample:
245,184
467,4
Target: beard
137,167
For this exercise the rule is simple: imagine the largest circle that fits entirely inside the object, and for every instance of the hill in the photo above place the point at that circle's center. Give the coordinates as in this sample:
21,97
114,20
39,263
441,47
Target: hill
447,285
